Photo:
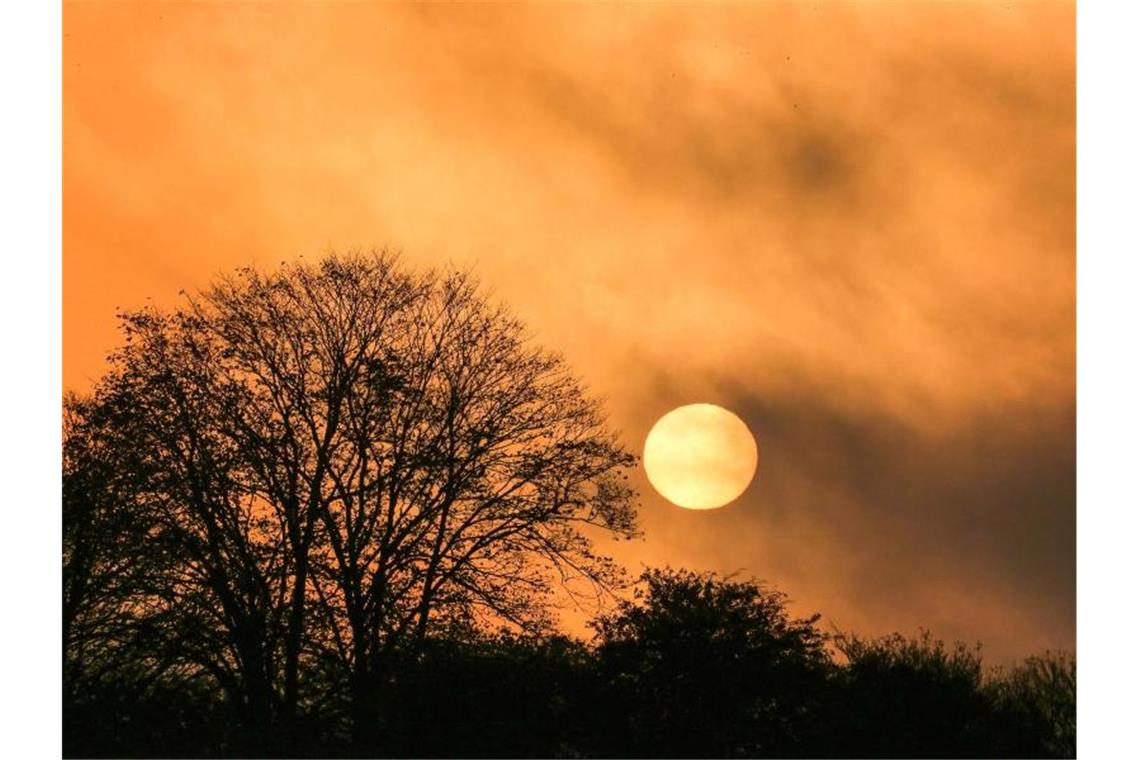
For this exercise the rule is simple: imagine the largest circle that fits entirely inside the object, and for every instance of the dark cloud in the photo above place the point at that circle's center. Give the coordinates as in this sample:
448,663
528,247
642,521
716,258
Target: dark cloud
985,511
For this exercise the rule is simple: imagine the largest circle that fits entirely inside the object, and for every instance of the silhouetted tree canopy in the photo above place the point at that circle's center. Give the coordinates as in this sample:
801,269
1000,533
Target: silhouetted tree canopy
715,668
334,459
933,693
939,702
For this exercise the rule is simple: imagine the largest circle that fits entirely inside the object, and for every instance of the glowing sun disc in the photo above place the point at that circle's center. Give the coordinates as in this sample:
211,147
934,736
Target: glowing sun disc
700,456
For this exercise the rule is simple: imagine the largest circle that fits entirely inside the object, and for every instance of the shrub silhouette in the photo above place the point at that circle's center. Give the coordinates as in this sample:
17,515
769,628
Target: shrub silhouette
911,697
918,697
492,696
1036,706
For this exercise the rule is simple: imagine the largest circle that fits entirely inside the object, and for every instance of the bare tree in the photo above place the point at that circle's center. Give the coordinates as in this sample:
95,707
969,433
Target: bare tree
349,454
448,464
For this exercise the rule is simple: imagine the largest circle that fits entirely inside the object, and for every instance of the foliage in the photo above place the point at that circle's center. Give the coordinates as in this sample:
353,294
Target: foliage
695,665
492,696
712,667
1038,700
930,694
907,697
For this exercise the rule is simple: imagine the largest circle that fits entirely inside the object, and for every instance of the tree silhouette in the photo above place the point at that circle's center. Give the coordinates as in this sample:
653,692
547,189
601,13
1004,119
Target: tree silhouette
339,457
711,667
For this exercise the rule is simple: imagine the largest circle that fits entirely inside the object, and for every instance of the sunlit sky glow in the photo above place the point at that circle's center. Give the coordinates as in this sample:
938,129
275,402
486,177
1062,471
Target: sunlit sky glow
851,224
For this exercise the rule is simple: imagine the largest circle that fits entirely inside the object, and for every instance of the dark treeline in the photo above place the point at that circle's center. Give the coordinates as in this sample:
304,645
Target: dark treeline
327,511
695,667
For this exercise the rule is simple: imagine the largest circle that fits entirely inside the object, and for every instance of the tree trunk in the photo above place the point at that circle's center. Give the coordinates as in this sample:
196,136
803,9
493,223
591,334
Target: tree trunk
257,725
257,710
365,713
293,646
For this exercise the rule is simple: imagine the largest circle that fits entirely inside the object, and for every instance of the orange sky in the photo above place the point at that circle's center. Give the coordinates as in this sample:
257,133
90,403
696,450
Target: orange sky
851,224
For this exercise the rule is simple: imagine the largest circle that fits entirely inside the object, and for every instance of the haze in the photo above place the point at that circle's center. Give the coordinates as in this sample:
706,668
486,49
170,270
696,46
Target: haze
852,225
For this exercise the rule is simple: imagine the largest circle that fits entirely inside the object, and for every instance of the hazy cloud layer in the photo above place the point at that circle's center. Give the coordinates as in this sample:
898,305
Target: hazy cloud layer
852,224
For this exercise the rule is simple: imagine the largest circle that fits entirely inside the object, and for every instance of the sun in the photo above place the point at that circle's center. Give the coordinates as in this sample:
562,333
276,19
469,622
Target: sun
700,456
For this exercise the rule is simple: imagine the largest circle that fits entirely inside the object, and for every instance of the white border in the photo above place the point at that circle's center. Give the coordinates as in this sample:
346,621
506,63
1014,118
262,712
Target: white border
1108,377
1108,374
31,303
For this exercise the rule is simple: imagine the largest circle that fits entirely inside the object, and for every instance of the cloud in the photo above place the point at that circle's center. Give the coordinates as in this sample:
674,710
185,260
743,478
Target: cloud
852,224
